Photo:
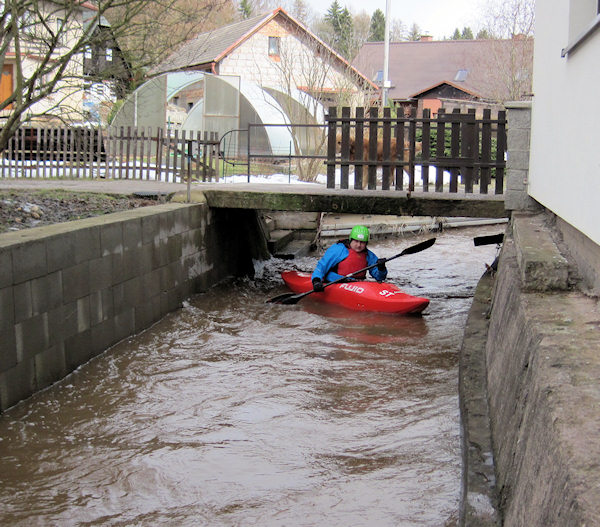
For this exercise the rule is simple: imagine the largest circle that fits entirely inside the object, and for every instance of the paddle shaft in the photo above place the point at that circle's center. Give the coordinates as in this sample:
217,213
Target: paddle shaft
290,298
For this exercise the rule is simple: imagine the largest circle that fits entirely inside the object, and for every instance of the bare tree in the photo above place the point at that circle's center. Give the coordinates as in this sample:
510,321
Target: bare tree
325,81
414,33
44,43
397,30
362,25
510,18
510,24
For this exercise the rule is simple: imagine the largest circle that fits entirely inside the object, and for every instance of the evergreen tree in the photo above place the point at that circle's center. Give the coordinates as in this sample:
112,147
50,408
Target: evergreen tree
245,9
377,29
483,34
340,21
466,34
456,35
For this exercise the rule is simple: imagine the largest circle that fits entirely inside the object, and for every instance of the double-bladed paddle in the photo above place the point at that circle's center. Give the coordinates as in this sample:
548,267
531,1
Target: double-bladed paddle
293,298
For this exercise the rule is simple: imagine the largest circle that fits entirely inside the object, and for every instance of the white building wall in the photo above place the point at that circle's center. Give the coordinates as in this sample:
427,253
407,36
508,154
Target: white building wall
564,173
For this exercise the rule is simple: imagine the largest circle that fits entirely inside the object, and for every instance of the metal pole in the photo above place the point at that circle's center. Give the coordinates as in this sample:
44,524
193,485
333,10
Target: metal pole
386,56
249,129
189,171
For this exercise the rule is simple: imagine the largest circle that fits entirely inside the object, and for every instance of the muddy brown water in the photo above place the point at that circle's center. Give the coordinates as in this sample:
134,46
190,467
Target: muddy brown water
232,411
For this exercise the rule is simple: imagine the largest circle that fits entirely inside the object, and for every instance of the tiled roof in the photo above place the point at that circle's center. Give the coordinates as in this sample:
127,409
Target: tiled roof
213,45
415,67
207,47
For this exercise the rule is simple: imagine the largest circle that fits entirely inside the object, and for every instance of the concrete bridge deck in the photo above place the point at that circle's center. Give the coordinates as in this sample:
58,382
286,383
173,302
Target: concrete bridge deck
296,197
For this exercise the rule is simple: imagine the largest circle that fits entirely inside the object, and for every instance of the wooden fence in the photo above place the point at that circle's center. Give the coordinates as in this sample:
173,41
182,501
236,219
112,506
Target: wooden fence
126,153
465,152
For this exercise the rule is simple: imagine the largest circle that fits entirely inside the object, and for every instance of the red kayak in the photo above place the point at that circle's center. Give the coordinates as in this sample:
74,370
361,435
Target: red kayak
360,296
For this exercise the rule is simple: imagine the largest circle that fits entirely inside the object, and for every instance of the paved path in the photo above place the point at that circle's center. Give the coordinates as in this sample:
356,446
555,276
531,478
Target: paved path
109,186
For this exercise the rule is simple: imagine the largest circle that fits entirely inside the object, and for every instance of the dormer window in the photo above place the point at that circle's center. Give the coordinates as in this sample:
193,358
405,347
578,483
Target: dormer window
274,45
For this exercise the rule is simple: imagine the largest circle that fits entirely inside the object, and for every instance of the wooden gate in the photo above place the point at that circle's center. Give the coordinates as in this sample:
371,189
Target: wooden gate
451,152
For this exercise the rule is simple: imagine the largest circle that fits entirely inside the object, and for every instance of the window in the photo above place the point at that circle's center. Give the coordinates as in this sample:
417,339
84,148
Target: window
274,43
584,20
87,52
109,53
378,79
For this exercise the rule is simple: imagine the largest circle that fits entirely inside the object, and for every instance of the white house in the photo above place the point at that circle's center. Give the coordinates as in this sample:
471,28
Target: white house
273,50
564,163
47,34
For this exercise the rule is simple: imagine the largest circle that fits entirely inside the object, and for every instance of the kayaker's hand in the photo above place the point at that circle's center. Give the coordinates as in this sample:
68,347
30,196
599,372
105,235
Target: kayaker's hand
381,265
318,285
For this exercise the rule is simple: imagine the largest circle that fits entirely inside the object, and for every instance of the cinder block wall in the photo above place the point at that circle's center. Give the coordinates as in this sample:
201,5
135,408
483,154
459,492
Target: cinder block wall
70,291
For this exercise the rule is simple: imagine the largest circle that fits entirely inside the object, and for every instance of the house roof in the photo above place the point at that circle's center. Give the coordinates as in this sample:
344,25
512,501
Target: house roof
474,66
210,47
214,46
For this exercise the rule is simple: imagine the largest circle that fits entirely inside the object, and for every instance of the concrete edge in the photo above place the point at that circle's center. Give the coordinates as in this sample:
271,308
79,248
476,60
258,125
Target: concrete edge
478,505
541,264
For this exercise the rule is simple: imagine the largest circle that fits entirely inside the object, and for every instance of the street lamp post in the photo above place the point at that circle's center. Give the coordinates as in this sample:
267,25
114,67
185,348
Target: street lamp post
386,55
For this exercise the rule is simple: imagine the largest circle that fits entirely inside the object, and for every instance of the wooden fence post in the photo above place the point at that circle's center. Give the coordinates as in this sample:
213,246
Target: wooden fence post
359,141
386,158
440,150
412,137
454,149
467,149
425,148
331,145
500,149
486,151
372,157
399,157
345,147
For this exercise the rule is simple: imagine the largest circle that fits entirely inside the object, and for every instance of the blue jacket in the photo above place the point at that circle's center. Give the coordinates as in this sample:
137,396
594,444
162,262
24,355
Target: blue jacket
334,255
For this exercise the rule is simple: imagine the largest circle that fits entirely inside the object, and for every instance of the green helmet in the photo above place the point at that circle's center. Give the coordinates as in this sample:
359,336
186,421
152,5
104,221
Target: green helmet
359,233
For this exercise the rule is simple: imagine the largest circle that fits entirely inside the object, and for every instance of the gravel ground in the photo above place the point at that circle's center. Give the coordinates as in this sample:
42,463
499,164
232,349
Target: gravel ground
23,209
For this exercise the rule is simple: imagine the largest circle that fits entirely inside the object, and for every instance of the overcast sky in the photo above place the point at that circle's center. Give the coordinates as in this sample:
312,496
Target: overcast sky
439,18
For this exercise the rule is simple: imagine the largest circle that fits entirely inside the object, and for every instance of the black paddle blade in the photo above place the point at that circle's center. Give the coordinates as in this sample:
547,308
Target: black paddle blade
488,240
419,247
286,298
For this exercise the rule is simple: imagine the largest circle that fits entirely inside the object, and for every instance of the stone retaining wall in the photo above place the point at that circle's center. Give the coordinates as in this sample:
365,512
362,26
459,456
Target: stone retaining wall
541,381
71,290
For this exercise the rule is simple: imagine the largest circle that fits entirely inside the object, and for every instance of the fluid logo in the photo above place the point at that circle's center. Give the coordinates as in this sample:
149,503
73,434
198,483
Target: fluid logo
354,288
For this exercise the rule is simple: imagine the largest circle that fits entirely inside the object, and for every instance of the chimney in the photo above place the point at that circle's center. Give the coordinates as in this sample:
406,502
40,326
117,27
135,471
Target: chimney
425,38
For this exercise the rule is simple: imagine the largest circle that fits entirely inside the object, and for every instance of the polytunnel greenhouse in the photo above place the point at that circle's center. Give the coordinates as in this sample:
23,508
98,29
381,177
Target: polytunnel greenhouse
245,116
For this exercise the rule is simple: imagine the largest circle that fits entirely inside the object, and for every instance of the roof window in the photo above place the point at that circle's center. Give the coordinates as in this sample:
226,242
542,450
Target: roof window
461,75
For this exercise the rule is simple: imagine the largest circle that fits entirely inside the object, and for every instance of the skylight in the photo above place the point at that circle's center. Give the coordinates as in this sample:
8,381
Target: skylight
461,75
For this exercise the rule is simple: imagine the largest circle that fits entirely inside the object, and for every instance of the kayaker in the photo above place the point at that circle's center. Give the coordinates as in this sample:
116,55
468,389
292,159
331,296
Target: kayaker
347,257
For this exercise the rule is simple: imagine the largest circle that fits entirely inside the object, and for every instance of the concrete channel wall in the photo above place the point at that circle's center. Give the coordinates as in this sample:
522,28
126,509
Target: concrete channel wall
69,291
530,398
